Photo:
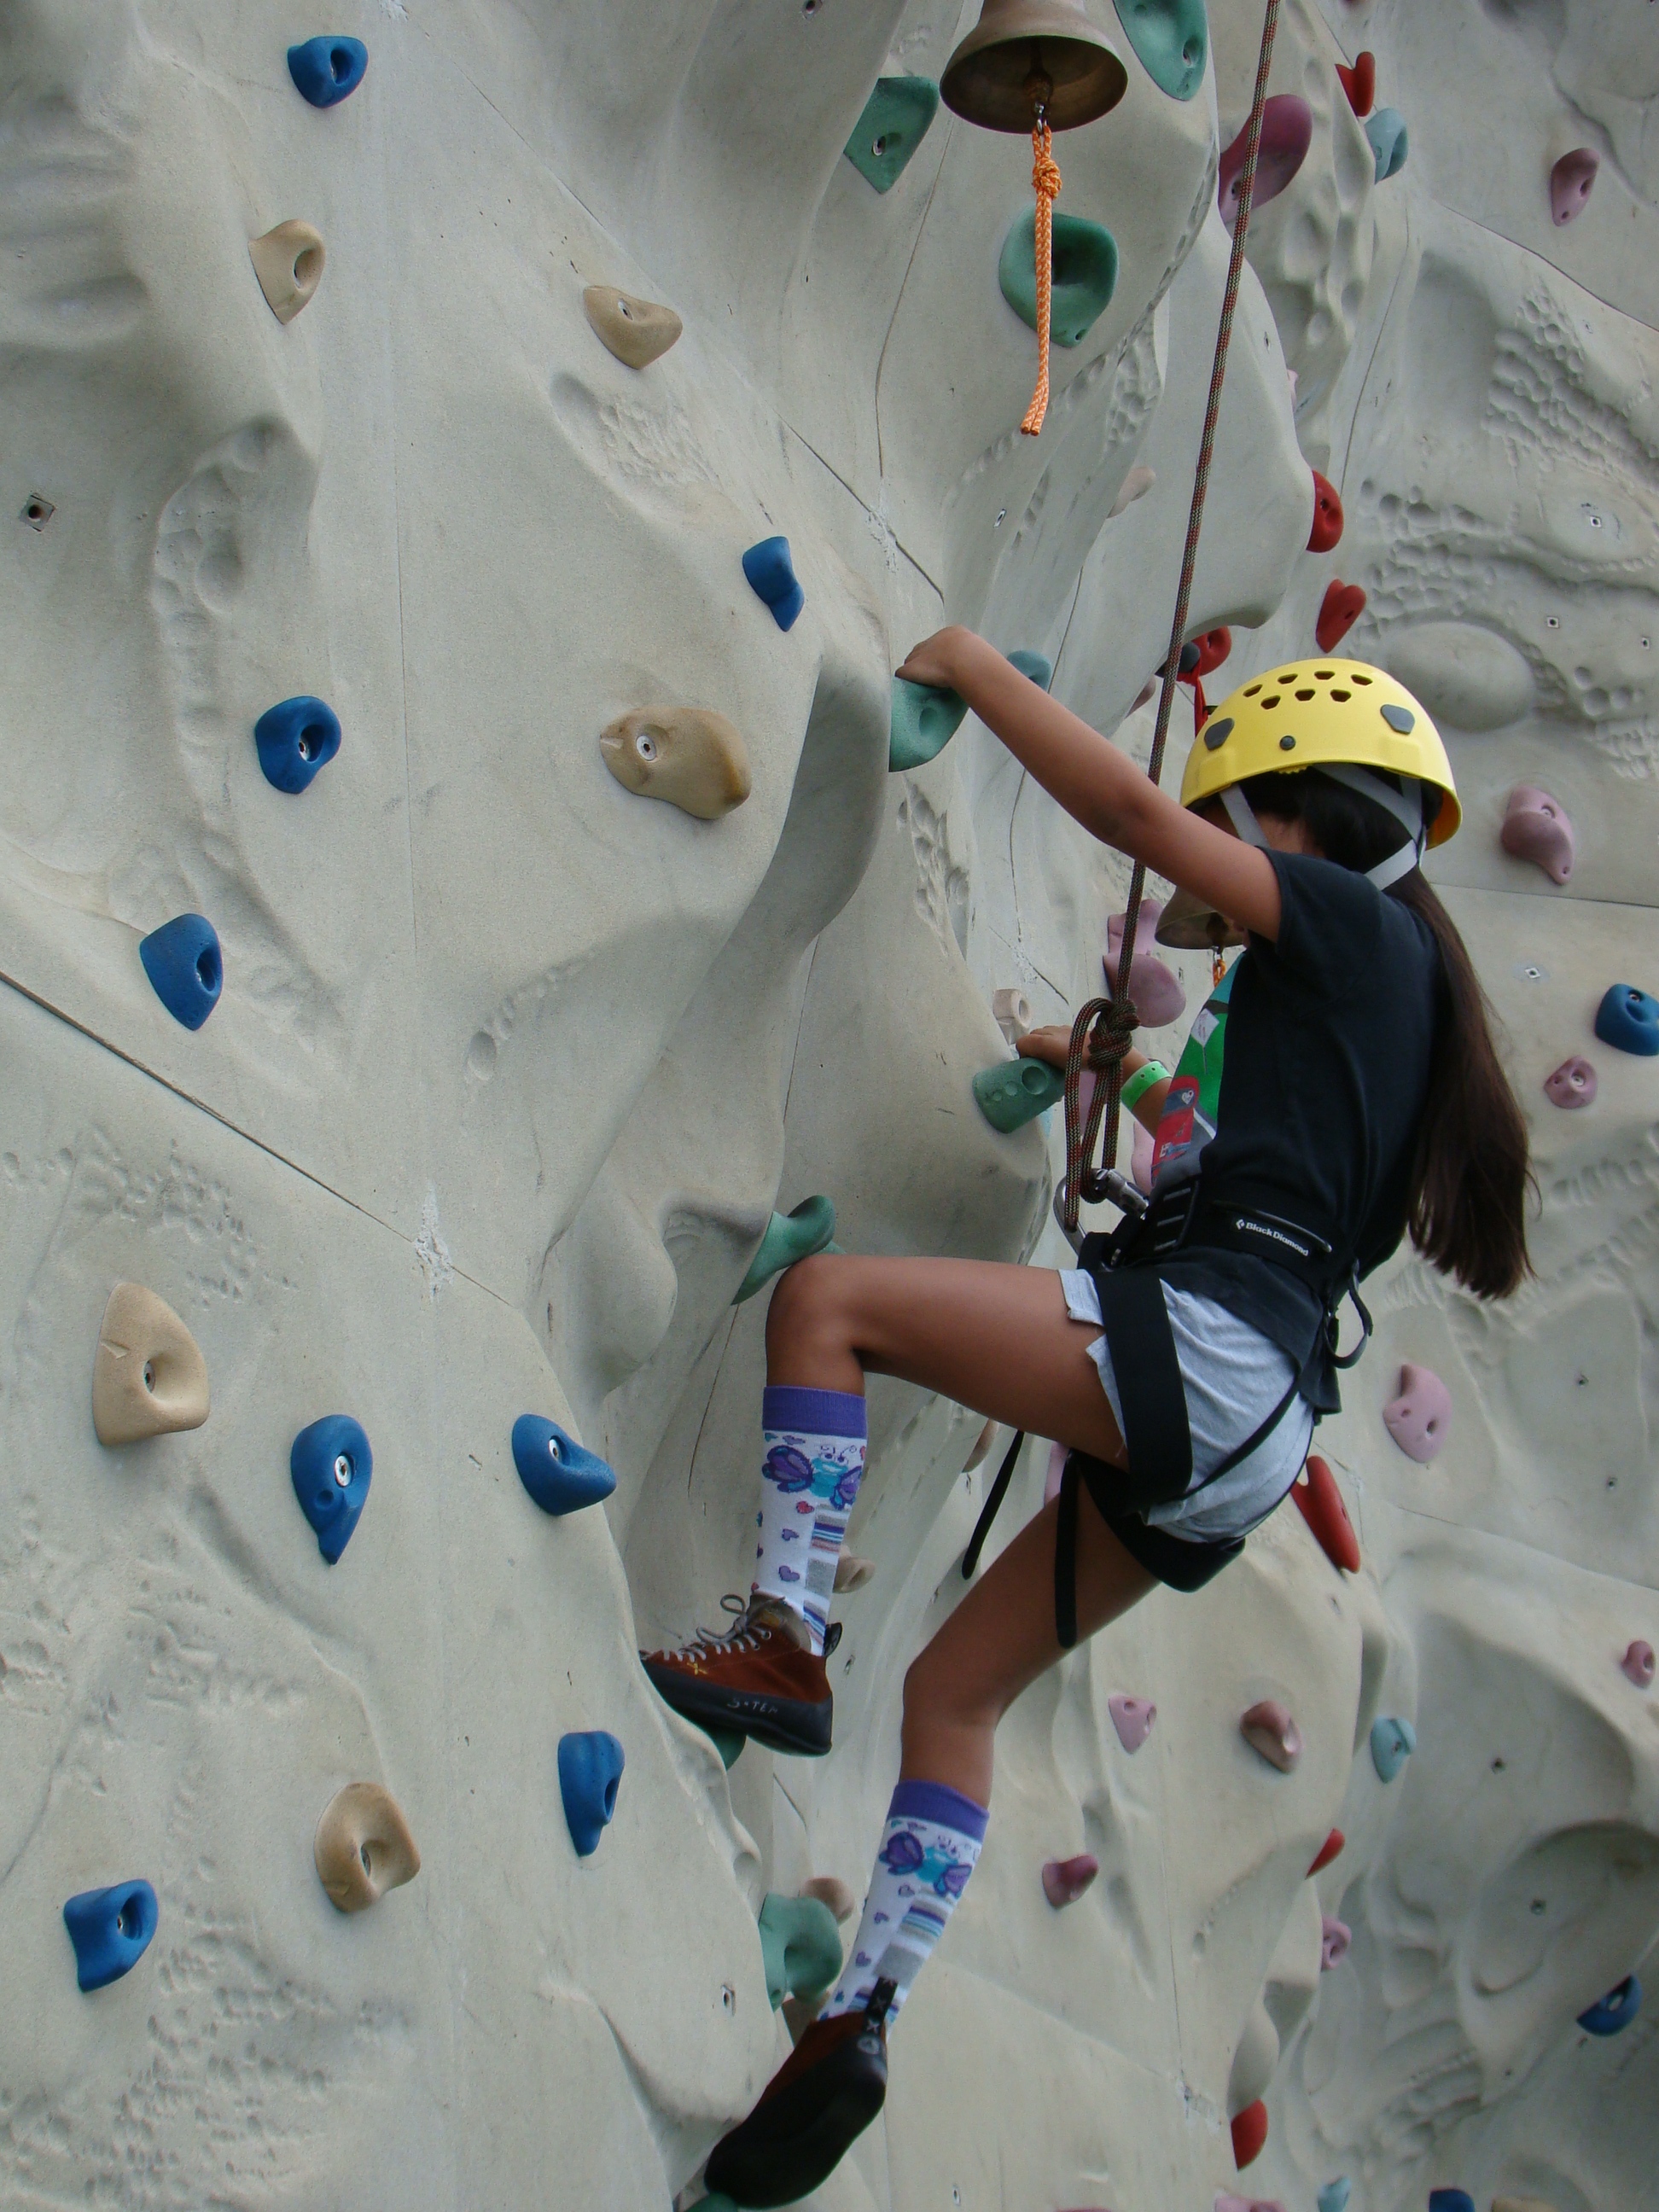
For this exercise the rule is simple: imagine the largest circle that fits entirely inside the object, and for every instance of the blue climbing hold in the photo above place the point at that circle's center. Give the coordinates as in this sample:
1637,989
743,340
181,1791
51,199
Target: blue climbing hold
895,119
806,1229
771,573
1628,1020
559,1475
1084,259
331,1464
186,967
1037,666
1172,38
923,721
1451,2200
1393,1742
1334,2196
590,1773
801,1947
1616,2010
328,70
296,739
1016,1091
111,1930
1386,129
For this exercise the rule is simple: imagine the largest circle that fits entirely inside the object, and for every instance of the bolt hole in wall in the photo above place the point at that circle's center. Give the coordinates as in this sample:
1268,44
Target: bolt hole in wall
38,511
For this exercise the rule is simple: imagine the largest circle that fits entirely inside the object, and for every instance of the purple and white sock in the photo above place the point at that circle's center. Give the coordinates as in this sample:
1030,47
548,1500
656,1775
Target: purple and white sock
929,1847
815,1447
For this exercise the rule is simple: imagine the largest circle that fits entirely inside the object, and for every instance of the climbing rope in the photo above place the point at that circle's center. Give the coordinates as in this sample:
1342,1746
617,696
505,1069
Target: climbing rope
1102,1032
1045,182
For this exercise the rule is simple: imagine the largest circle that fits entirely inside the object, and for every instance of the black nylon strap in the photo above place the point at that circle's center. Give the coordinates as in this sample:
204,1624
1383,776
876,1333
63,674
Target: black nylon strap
1157,1440
991,1508
1066,1557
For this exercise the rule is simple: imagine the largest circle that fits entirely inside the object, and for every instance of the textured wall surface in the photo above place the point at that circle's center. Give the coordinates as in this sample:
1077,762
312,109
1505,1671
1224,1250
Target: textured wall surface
511,1067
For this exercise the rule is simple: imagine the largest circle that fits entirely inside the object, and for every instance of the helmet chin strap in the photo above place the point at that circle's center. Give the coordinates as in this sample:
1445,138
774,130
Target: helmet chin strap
1406,806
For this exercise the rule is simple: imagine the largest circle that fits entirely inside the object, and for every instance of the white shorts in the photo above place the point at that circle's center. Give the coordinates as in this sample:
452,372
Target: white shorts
1234,1378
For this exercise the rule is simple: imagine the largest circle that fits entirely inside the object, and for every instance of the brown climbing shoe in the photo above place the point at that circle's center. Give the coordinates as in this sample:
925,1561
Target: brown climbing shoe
763,1679
818,2104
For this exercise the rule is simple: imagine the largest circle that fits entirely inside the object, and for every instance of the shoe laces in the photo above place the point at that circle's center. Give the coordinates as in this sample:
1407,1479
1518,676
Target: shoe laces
741,1636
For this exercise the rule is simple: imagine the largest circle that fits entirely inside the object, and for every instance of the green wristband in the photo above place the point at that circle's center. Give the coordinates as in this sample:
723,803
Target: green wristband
1142,1082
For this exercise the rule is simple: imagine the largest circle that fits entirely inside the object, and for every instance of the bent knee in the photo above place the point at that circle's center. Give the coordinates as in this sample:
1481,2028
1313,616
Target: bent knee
802,1295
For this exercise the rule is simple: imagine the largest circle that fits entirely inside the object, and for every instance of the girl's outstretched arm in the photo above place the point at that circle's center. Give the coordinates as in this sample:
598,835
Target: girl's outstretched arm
1099,786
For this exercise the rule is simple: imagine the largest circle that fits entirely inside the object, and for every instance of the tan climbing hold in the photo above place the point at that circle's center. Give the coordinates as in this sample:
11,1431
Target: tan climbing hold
829,1889
638,332
852,1573
288,264
1269,1730
982,1443
1136,485
149,1377
1521,2204
363,1847
692,757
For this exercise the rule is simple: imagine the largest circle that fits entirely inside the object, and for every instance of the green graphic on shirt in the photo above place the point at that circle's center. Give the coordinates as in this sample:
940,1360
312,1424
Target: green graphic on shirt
1193,1106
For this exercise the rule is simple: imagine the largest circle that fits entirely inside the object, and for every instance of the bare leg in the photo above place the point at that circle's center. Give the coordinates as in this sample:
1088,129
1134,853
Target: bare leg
997,1339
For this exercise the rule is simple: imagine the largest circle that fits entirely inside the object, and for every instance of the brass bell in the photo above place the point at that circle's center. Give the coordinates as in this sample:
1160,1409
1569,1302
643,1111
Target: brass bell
1192,924
1027,59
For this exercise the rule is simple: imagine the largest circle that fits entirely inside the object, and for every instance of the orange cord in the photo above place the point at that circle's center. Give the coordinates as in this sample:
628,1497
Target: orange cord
1045,182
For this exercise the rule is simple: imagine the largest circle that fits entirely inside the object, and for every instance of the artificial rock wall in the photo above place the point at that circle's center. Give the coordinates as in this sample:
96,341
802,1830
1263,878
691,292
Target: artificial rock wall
511,1067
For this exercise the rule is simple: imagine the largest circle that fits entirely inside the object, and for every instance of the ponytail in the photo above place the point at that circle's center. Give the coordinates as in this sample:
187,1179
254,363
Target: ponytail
1470,1179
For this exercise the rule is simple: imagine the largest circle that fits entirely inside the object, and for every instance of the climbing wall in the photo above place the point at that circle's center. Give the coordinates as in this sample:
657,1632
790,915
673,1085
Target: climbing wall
473,904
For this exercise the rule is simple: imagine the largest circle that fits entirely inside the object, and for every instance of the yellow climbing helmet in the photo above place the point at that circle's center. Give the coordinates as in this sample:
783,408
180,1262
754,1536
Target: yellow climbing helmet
1325,714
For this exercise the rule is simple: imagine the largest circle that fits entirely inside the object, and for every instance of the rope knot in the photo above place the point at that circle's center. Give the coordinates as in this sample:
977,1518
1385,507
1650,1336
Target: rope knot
1112,1035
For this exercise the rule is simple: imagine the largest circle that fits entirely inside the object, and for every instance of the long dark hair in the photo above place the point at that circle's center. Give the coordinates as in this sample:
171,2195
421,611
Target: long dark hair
1471,1175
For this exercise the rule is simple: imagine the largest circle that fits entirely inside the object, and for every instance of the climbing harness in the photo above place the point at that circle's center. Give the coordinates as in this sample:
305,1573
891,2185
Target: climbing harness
1045,182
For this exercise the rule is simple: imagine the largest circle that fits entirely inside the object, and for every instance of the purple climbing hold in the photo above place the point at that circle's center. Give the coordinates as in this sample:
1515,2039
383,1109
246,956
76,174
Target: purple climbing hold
1420,1418
1335,1939
1572,182
1269,1730
1573,1084
1638,1664
1286,134
1155,988
1064,1880
1536,828
1628,1020
1133,1718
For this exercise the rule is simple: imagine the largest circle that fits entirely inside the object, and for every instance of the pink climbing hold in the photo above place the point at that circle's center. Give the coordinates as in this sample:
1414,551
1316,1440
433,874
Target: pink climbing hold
1269,1730
1326,531
1638,1663
1359,82
1064,1880
1572,182
1155,988
1537,827
1339,610
1286,135
1420,1418
1133,1718
1573,1084
1335,1939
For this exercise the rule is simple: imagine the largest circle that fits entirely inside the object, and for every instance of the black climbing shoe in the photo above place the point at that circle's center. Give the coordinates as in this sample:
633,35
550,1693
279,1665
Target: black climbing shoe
818,2104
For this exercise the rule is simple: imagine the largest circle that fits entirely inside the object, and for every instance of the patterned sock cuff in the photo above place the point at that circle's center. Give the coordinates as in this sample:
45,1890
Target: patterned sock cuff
945,1806
813,1412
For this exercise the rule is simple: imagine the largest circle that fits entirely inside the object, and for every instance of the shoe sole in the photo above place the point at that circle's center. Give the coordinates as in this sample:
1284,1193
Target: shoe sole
785,1724
792,2141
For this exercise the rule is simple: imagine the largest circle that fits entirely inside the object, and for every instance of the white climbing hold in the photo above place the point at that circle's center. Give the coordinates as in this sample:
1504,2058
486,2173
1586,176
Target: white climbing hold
1010,1010
852,1573
288,264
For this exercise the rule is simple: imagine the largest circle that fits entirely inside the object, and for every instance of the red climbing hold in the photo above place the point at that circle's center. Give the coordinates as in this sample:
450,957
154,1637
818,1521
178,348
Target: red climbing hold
1572,182
1359,82
1319,1501
1213,646
1329,1849
1286,135
1339,610
1250,2134
1326,530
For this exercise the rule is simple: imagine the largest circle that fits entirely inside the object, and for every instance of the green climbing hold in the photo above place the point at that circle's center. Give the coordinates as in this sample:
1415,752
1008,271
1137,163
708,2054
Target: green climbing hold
728,1743
806,1229
923,721
1172,38
1084,259
1017,1091
895,121
800,1944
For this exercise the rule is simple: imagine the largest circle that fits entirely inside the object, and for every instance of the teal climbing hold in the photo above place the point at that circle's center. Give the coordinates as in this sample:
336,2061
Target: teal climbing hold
559,1475
1016,1091
590,1774
111,1930
1334,2196
1387,131
1393,1742
1172,38
1084,259
806,1229
1615,2011
728,1743
800,1944
922,722
895,119
1037,666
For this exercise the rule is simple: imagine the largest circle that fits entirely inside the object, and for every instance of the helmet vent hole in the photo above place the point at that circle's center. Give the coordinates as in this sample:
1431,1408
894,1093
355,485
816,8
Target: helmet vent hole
1324,675
1308,694
1287,678
1343,695
1267,705
1362,679
1250,691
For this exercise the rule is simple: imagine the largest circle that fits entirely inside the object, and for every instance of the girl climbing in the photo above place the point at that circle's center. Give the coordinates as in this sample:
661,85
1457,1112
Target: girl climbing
1339,1088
